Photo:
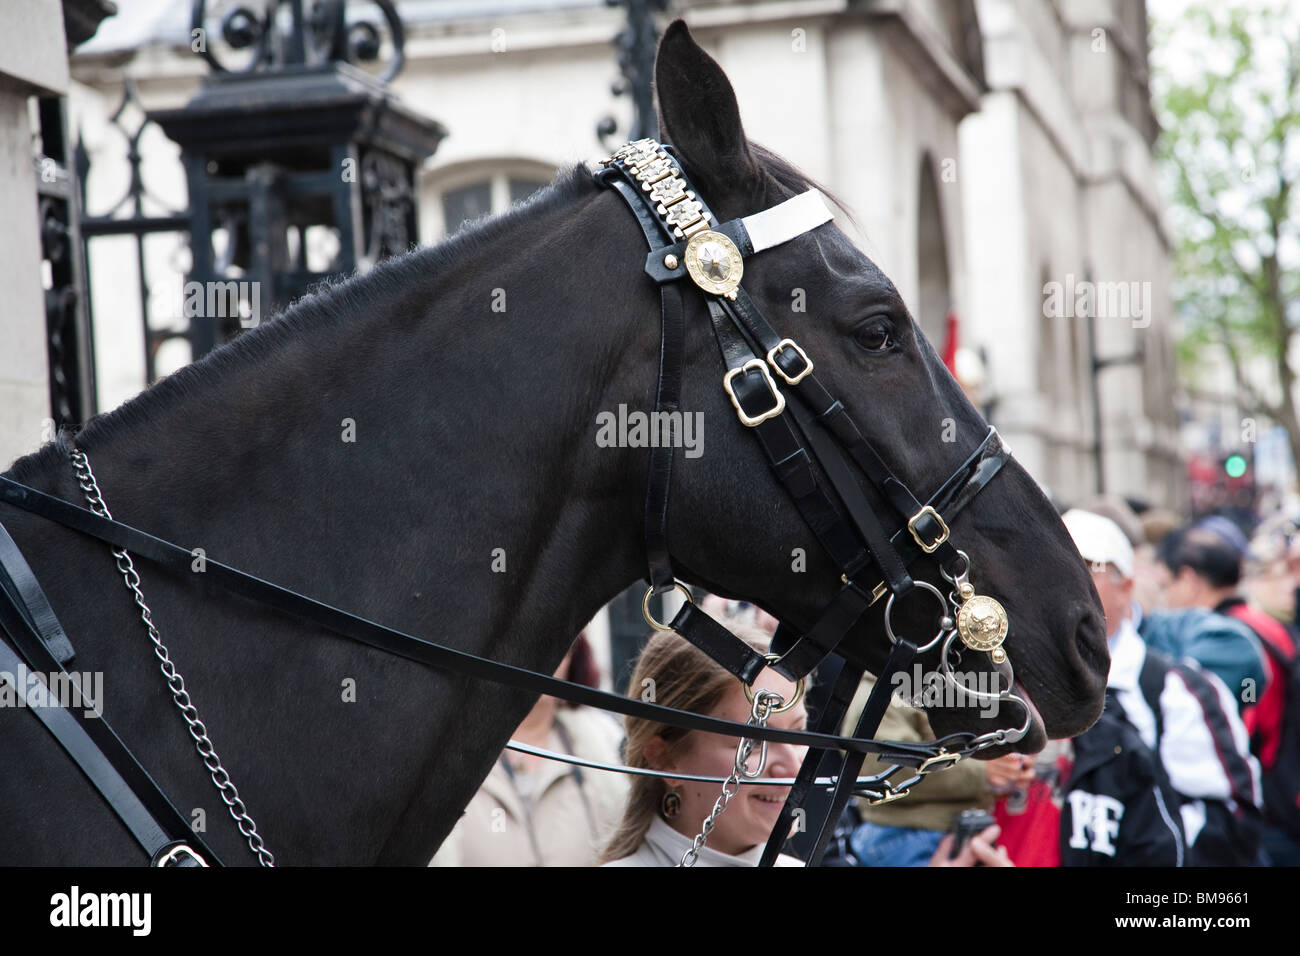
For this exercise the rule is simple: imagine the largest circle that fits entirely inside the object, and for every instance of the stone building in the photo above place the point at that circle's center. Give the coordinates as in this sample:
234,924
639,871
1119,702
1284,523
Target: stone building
33,64
1061,208
990,151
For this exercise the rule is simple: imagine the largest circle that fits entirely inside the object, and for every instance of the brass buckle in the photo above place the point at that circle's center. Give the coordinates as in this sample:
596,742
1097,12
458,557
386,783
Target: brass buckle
889,797
911,526
791,344
772,412
645,605
941,761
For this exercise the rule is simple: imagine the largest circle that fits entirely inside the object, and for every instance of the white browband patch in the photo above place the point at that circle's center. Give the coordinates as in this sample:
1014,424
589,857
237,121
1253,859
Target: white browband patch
783,222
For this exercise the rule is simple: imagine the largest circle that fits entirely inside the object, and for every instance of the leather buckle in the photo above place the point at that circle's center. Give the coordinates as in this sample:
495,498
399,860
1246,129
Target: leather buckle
940,761
175,853
760,366
933,545
879,591
790,344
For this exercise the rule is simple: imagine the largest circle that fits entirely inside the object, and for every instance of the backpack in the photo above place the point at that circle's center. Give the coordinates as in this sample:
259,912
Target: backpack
1282,779
1230,836
1264,716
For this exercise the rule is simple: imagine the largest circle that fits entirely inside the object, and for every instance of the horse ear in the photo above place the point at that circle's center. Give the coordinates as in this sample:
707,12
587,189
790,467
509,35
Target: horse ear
698,114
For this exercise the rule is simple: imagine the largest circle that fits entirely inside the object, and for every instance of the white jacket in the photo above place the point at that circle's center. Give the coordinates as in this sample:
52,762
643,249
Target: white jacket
664,846
1187,748
555,817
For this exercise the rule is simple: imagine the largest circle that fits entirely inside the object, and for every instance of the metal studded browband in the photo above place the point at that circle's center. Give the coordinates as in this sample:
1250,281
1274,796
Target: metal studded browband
712,256
679,209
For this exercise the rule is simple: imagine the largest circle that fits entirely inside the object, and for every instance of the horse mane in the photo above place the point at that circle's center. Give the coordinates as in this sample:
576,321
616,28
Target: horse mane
794,179
335,301
330,304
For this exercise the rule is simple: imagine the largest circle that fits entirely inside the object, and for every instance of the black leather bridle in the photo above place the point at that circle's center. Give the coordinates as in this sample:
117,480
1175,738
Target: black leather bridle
816,429
794,436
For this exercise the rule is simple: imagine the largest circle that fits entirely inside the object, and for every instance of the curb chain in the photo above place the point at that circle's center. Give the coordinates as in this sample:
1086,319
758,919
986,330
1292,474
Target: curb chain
229,794
764,703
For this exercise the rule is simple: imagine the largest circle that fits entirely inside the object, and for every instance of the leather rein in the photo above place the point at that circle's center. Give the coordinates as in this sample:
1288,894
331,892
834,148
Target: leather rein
794,435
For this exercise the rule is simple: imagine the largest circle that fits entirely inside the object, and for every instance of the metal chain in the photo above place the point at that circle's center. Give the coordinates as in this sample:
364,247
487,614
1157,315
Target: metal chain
765,701
229,794
881,790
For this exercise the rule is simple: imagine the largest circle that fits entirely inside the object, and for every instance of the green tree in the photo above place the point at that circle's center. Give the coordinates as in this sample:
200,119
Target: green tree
1226,86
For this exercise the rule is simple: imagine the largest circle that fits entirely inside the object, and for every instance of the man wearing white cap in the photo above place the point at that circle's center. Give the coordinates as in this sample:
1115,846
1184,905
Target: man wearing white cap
1185,716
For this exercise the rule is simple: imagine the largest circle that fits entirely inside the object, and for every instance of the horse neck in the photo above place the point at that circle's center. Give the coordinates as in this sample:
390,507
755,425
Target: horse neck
437,474
395,436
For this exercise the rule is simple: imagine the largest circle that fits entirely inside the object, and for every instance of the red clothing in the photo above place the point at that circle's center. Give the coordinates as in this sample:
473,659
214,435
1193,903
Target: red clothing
1030,836
1264,719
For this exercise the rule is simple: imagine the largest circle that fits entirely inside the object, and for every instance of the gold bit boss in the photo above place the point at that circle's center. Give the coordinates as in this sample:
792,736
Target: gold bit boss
982,625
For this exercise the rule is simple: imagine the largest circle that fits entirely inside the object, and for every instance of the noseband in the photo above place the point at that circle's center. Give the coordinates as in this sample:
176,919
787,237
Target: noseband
808,432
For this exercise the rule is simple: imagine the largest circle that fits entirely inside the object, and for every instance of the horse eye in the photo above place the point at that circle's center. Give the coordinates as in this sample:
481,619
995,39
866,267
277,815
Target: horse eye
875,336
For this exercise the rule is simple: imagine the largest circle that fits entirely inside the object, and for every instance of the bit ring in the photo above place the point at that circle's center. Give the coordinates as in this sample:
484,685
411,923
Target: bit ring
943,615
645,605
798,689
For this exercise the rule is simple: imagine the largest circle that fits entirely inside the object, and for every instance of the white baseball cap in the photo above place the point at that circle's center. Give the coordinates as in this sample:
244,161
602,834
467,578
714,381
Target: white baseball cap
1099,540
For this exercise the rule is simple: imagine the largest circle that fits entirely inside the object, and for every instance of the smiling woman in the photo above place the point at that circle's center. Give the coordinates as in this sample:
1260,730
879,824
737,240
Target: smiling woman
663,816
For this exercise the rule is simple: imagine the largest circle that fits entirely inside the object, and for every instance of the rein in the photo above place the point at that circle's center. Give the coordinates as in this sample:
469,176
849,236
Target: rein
813,429
137,799
179,559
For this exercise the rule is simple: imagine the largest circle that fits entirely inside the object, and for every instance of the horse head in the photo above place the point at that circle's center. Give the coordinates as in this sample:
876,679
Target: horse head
734,530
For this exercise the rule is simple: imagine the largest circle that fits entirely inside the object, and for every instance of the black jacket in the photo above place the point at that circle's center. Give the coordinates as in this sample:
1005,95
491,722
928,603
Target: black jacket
1119,808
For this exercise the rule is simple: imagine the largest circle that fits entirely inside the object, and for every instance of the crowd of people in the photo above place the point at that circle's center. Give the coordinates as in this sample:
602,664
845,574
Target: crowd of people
1194,761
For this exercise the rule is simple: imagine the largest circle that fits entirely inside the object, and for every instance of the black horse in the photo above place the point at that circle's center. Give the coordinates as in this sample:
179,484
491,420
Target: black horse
417,445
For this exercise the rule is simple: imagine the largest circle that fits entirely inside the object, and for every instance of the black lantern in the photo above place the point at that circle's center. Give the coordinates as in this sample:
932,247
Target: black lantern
300,164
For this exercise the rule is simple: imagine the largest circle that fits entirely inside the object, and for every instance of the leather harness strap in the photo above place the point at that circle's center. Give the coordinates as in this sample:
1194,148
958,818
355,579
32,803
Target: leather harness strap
133,795
841,695
672,353
900,658
20,586
178,559
729,651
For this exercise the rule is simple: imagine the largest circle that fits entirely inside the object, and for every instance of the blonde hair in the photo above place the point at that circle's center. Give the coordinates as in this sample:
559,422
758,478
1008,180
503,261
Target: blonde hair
684,677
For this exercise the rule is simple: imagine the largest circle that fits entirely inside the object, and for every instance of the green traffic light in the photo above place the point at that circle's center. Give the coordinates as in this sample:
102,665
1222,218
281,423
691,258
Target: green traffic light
1235,466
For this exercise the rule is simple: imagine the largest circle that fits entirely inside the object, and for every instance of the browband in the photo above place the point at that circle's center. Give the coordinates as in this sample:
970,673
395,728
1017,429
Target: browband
785,221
